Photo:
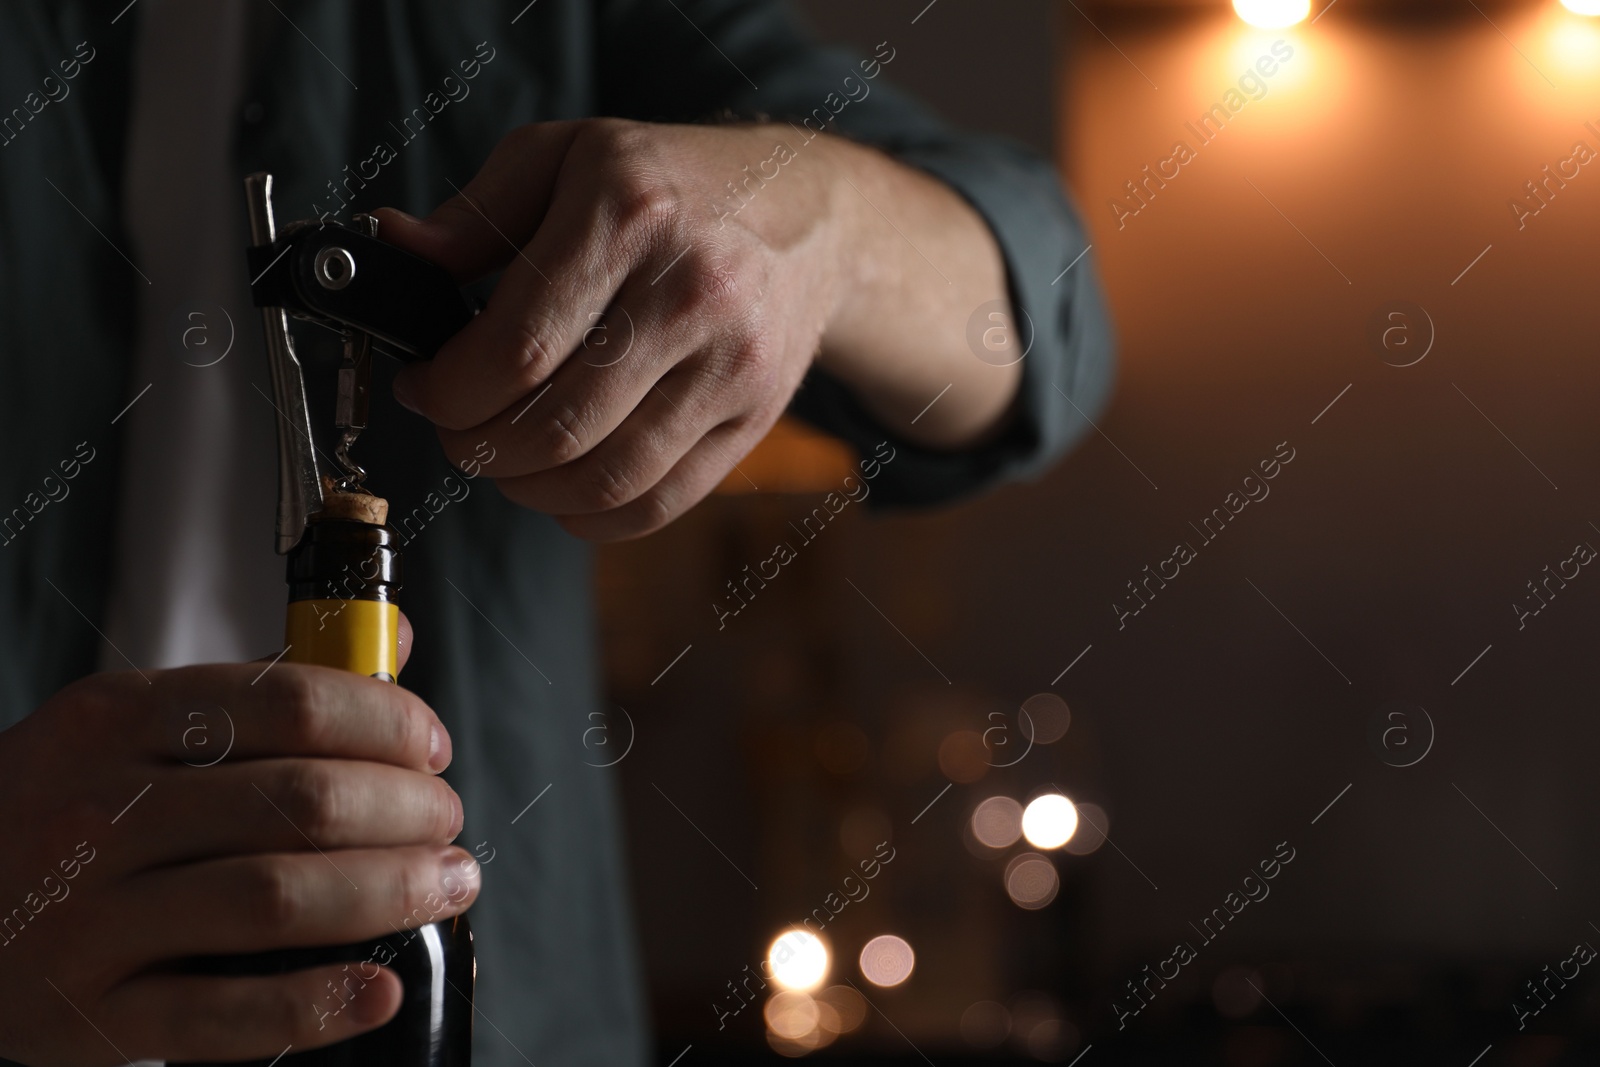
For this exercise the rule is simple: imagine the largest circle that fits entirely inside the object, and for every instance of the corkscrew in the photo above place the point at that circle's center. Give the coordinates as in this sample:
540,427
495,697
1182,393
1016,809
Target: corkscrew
379,298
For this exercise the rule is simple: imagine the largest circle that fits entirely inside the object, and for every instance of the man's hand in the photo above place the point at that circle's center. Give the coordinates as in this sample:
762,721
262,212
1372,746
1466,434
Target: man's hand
130,842
666,289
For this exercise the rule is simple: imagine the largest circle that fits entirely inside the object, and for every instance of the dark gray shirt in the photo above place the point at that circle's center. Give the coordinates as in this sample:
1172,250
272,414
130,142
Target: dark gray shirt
500,596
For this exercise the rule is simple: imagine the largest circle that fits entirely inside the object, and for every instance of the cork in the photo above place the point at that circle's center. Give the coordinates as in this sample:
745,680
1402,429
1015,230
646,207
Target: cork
353,507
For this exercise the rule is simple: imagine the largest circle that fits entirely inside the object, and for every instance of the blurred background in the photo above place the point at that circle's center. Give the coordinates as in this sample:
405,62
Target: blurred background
1343,751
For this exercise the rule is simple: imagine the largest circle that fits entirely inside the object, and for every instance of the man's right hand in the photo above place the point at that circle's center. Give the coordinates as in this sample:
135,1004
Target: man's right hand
128,842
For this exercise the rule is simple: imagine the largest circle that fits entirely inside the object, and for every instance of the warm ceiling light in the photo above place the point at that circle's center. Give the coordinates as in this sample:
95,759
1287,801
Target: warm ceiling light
1582,7
1276,14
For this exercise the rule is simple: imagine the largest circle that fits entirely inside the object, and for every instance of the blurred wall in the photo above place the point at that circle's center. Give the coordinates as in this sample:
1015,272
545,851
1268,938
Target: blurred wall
1374,169
1253,288
987,66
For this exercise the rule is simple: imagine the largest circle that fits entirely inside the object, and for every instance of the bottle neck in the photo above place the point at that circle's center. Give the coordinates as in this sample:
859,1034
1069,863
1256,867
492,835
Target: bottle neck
340,559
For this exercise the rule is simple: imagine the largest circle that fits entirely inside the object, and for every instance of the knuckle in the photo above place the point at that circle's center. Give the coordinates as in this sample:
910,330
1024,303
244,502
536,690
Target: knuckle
272,894
642,207
563,435
413,727
310,798
297,696
419,880
414,880
751,356
718,286
444,809
610,141
609,487
600,135
533,354
642,204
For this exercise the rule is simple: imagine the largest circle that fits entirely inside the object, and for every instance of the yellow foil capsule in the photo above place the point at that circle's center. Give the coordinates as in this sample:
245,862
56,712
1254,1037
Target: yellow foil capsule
353,635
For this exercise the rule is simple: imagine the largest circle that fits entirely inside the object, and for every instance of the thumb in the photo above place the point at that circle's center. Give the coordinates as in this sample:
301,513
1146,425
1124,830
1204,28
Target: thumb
403,641
477,231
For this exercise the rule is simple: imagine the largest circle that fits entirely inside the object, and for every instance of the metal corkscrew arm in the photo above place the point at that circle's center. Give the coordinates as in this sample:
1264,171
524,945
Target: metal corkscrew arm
299,479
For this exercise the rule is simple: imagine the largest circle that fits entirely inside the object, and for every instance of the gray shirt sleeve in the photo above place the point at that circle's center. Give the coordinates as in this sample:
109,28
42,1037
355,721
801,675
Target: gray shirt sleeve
692,60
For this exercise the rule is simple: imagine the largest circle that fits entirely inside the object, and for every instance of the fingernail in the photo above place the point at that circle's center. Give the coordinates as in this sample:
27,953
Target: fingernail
461,816
405,395
438,752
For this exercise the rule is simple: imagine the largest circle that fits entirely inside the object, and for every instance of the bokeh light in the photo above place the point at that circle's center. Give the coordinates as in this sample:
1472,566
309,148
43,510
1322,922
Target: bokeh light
1051,1040
887,960
963,756
1272,14
1039,1030
794,1048
791,1014
1049,716
798,960
799,1024
1094,826
841,1008
985,1025
1031,881
1049,821
997,822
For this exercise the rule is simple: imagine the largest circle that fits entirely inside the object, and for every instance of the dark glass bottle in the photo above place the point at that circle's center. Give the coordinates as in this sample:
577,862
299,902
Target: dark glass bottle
343,576
433,1027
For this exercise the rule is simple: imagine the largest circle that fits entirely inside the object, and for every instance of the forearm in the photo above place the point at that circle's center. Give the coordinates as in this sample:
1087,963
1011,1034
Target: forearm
915,263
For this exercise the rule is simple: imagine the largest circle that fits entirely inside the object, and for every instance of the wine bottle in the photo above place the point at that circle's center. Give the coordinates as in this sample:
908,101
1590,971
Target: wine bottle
343,577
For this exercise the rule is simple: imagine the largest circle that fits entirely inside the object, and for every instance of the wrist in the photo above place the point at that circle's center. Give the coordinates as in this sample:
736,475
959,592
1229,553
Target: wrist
846,180
793,191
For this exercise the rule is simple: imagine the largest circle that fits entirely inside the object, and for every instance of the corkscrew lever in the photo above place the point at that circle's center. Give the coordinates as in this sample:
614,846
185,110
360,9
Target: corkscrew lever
374,294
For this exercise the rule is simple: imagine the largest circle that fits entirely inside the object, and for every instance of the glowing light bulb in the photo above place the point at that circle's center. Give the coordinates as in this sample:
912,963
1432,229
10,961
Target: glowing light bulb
798,959
1049,821
1582,7
1276,14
